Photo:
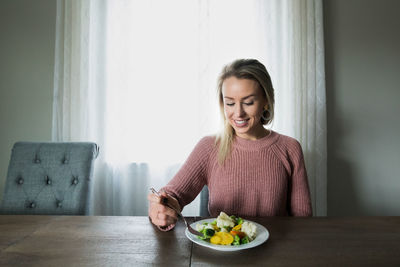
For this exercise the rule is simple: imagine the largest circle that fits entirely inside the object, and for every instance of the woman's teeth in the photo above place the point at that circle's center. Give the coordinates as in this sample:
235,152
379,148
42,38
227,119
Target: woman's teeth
241,122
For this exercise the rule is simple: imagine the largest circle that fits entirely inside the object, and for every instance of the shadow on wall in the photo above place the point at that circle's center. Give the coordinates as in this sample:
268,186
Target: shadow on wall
342,194
361,67
342,197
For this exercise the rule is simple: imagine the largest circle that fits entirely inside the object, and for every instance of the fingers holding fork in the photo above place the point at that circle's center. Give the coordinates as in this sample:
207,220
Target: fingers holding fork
160,211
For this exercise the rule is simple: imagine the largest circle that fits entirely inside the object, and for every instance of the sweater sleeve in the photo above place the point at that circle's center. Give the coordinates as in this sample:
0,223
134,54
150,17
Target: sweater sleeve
299,194
191,178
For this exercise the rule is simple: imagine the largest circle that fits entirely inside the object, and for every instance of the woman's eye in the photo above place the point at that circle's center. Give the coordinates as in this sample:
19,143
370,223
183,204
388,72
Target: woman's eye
230,104
249,103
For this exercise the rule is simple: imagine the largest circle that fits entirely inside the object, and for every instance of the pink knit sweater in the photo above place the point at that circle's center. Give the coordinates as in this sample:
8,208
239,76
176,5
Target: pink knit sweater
265,177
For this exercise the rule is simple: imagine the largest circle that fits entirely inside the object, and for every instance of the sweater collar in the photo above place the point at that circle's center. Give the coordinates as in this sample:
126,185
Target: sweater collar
255,144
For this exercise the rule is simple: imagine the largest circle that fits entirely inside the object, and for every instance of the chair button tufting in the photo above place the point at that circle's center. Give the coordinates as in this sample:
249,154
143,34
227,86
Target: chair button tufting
59,204
65,161
37,161
48,180
32,205
20,181
75,181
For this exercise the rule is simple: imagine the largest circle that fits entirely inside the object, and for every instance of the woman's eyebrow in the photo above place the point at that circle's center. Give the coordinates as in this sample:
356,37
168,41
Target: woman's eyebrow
241,99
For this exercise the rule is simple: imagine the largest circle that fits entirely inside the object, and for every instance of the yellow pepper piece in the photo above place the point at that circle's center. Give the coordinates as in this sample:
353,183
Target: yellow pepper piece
226,238
216,240
237,227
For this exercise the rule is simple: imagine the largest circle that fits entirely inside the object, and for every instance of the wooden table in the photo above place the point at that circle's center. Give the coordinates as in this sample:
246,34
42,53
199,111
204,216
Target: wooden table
133,241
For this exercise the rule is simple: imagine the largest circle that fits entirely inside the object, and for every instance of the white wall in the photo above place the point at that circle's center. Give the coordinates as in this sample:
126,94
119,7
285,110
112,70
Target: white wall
27,34
362,41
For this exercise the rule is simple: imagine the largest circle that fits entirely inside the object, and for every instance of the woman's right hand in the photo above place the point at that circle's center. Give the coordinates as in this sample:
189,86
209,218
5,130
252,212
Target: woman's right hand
160,214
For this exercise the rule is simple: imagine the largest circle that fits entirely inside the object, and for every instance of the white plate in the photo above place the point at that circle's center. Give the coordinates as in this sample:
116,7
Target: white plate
261,237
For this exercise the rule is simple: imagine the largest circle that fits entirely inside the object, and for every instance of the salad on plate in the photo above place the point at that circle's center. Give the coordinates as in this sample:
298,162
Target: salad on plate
227,230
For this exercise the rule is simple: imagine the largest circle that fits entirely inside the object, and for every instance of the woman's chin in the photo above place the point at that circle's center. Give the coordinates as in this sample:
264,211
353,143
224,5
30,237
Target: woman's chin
241,132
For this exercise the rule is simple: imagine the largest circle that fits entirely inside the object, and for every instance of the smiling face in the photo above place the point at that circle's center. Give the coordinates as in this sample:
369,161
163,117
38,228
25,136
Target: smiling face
244,102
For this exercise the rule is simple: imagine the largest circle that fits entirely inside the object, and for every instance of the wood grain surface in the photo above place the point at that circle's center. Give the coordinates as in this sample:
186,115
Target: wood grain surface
317,241
90,241
27,240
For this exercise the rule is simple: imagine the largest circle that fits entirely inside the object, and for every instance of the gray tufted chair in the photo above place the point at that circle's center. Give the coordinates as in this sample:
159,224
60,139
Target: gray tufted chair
49,178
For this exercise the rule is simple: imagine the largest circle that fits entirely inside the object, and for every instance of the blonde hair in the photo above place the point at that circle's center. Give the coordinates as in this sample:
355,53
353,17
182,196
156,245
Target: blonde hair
250,69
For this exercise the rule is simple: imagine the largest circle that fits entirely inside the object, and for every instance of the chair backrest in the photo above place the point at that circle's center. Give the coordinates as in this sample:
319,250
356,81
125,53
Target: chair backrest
49,178
204,202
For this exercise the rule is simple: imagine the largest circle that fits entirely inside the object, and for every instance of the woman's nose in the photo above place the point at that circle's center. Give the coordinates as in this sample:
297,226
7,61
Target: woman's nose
239,111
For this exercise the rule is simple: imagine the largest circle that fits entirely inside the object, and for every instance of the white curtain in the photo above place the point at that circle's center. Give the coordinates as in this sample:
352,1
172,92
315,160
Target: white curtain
139,79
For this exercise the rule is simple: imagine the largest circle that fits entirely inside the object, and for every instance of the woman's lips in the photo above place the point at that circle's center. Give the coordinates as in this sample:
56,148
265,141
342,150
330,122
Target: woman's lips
241,123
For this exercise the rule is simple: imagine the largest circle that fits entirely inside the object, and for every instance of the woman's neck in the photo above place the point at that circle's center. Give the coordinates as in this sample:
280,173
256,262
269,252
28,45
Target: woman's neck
258,134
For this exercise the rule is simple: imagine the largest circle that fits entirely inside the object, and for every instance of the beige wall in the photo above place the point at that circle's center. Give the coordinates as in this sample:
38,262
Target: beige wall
27,34
363,77
362,43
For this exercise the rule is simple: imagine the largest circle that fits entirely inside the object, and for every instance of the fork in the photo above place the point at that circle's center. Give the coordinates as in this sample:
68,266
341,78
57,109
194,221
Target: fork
165,202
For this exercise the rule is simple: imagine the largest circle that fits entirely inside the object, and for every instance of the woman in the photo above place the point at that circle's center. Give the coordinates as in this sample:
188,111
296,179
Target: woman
249,170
